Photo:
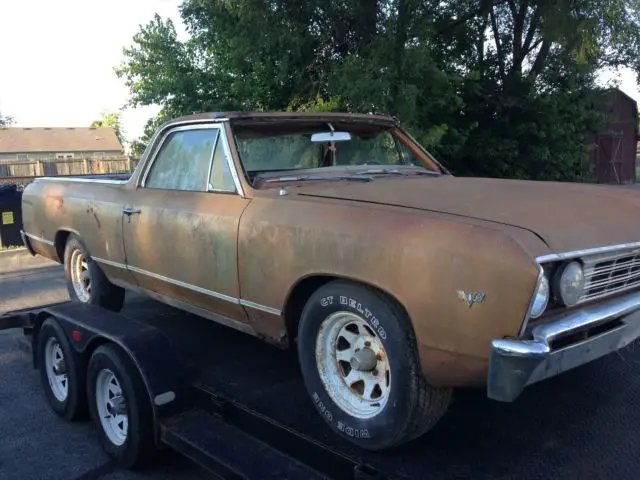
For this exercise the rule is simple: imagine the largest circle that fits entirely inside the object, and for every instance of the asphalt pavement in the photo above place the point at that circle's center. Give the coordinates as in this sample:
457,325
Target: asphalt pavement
34,442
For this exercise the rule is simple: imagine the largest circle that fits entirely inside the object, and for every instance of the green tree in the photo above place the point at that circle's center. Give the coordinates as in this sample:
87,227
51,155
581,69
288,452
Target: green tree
111,119
5,120
493,87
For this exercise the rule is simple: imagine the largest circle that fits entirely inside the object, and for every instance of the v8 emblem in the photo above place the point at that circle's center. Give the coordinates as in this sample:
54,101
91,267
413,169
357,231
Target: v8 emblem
471,298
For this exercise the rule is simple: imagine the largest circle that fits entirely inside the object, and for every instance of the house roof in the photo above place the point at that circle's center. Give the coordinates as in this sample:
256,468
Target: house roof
60,139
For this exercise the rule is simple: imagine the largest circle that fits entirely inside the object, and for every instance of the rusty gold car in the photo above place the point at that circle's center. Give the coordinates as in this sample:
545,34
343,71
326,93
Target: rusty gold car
339,235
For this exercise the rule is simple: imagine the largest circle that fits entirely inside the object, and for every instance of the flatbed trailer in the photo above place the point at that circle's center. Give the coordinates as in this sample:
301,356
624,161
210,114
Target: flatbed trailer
246,415
166,400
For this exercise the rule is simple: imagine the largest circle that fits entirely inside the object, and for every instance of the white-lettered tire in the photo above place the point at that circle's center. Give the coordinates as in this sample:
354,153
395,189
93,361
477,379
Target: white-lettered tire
359,360
62,372
120,407
86,282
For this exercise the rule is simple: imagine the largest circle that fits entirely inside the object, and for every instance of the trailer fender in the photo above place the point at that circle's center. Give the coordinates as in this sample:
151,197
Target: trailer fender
163,373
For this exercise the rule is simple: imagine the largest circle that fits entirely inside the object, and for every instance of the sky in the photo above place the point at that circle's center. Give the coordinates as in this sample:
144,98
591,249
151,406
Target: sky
57,60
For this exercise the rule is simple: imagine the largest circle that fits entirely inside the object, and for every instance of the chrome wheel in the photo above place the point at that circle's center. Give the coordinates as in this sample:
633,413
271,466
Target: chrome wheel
112,407
56,369
79,270
353,365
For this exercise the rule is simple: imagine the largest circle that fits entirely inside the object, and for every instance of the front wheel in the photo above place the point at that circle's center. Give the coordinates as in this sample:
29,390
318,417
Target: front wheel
359,360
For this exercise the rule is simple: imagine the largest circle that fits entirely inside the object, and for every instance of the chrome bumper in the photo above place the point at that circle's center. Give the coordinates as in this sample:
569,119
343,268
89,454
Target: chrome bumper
514,364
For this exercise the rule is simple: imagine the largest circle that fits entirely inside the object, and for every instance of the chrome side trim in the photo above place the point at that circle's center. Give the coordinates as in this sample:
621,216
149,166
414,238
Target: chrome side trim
109,262
590,251
213,154
514,364
39,239
203,125
188,286
204,291
257,306
81,180
187,307
232,166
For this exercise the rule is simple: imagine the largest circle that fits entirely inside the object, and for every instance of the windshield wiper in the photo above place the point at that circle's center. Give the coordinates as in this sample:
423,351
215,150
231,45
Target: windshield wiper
363,177
395,171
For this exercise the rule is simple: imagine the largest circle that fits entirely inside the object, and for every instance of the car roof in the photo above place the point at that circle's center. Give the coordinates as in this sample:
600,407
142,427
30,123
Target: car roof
239,116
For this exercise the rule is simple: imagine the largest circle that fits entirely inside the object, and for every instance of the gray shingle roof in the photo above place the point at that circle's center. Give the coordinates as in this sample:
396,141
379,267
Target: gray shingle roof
59,139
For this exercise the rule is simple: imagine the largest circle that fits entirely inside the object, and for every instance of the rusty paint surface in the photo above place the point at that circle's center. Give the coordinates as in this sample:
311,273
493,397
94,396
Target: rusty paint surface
421,239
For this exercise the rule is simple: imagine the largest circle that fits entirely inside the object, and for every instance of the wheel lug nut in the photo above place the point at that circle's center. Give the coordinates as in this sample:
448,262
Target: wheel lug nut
367,344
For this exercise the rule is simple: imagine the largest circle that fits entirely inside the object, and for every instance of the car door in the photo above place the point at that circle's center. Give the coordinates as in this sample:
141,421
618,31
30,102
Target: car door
180,234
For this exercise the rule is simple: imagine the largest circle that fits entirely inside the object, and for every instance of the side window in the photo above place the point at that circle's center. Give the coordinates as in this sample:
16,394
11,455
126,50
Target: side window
183,161
221,179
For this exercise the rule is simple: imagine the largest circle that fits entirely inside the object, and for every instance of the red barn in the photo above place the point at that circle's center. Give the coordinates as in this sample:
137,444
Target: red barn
613,148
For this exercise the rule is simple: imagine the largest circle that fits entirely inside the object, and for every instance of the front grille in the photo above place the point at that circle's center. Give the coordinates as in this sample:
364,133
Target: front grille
608,274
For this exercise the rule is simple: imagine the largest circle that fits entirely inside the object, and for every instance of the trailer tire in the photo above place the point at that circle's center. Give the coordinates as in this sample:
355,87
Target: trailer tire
129,442
65,393
358,356
86,282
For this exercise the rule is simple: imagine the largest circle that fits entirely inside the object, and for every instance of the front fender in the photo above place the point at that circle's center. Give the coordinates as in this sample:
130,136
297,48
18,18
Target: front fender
430,263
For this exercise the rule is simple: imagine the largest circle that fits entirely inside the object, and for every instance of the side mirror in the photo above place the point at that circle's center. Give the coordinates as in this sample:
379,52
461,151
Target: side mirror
331,137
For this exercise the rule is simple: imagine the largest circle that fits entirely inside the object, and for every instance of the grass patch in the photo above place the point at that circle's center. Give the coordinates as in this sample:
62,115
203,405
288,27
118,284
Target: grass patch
10,247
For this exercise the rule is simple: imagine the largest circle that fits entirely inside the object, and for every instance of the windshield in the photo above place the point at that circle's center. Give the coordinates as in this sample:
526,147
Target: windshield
287,151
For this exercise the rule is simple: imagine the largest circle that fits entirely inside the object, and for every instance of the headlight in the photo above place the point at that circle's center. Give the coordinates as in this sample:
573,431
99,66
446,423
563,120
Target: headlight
540,298
570,283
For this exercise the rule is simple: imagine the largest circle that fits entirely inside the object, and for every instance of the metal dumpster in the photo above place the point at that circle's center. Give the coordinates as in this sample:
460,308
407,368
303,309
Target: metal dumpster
10,215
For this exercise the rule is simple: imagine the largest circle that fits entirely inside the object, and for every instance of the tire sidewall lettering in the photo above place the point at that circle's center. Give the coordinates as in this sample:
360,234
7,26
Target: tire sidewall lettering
349,303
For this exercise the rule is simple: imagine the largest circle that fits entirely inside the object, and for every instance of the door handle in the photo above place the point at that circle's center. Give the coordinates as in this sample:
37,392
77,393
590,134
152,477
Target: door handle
130,210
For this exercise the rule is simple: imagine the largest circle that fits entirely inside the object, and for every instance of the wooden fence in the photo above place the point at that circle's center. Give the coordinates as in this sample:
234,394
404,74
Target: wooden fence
70,166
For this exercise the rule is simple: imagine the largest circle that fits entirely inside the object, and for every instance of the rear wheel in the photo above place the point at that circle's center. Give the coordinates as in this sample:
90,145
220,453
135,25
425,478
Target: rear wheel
120,407
86,282
358,356
62,373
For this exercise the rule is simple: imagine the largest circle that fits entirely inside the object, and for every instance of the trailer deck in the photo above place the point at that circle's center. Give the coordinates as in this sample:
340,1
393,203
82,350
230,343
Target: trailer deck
581,423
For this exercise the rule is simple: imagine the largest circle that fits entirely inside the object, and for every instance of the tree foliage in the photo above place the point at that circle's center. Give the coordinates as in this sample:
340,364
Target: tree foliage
5,120
111,119
492,87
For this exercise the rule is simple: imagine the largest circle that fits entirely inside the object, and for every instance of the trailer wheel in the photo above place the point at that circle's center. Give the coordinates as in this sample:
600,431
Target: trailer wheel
120,407
62,373
86,282
358,357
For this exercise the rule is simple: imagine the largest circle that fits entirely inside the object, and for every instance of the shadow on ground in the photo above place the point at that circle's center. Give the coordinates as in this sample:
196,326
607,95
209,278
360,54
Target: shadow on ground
581,424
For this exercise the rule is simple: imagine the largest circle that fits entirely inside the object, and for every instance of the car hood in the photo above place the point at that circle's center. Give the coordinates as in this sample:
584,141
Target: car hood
566,216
